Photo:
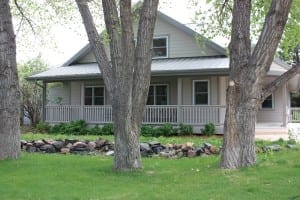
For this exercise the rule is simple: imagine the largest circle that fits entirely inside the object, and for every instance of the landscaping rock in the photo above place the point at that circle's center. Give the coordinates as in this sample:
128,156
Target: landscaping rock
65,150
291,146
110,153
30,148
91,146
274,147
79,145
48,148
214,150
191,153
38,143
58,145
72,141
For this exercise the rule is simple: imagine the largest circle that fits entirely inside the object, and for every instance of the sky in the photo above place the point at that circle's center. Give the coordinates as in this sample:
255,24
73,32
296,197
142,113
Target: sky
68,42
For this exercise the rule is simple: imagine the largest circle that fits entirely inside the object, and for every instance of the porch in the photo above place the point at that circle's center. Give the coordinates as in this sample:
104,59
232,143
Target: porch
154,115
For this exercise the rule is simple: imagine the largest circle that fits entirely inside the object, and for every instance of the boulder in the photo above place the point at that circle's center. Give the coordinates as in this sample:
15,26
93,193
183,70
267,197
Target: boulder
191,153
38,143
72,141
48,148
274,147
30,148
291,146
79,145
64,150
48,141
214,150
91,146
58,145
100,143
110,153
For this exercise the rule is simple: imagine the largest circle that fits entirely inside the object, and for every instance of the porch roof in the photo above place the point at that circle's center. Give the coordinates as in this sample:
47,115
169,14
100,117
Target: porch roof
160,67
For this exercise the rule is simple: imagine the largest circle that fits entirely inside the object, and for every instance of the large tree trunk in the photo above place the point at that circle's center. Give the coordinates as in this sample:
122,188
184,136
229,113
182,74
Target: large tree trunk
9,87
127,77
245,92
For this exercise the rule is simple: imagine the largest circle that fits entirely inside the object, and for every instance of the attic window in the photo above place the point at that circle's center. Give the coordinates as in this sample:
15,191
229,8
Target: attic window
160,47
268,103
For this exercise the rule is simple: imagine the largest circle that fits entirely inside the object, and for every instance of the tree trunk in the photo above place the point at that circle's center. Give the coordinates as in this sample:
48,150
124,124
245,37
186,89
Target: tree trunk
127,77
9,87
245,92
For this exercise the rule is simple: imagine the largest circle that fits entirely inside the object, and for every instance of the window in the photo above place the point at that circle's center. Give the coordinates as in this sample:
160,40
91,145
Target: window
201,92
268,102
160,47
94,95
158,95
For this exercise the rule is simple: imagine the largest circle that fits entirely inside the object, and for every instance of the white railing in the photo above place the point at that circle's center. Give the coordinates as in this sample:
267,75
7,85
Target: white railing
295,115
174,114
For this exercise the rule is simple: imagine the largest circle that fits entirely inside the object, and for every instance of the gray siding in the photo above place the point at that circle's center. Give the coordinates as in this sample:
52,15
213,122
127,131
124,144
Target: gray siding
75,93
180,44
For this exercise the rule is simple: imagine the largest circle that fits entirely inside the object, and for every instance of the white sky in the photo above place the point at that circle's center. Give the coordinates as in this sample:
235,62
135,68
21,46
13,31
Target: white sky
68,42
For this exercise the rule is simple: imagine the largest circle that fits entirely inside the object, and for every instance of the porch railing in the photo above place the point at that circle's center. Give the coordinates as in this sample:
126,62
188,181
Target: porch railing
174,114
294,115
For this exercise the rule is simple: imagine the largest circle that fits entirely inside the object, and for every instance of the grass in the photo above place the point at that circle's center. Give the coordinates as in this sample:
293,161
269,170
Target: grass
54,176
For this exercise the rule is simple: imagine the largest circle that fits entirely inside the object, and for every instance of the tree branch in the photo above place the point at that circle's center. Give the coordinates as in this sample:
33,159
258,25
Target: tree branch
20,9
263,53
97,45
143,55
278,82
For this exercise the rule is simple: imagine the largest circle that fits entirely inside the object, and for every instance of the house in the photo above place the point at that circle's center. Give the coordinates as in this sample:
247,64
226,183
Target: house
188,84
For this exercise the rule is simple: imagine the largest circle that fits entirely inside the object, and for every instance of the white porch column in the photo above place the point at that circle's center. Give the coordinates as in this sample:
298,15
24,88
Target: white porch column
285,105
81,99
44,101
179,100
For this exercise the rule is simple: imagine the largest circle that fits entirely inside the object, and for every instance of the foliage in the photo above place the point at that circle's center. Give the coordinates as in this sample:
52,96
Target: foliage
185,129
108,129
181,178
166,130
72,128
148,131
209,129
96,130
31,93
43,127
215,21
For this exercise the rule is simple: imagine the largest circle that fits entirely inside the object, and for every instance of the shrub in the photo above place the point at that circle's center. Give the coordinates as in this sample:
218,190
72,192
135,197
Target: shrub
58,128
96,130
209,129
148,131
185,129
107,129
76,128
166,130
43,127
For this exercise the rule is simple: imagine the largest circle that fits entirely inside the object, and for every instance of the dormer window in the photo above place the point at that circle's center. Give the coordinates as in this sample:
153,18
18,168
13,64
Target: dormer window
160,47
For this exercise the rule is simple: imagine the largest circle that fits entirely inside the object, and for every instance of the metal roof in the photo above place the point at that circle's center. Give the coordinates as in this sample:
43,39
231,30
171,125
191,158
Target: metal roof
160,67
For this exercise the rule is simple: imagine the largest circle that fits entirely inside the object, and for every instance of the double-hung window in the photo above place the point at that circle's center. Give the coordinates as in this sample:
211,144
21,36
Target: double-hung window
94,95
201,92
268,103
160,47
158,95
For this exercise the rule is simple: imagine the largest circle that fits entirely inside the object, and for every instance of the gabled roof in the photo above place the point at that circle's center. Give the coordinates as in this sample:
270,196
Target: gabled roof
86,49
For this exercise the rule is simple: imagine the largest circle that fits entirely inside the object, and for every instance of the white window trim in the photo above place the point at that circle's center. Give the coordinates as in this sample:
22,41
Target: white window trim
208,91
273,104
167,46
95,86
154,85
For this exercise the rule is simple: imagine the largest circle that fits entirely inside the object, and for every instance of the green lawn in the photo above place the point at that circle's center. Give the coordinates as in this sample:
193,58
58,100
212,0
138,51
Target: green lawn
54,176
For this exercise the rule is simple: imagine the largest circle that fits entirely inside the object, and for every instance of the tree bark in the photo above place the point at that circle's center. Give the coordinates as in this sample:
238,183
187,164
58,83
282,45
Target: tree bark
9,88
247,71
127,78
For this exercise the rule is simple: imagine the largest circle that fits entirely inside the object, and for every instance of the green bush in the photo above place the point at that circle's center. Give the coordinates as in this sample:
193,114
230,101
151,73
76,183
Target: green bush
166,130
96,130
148,131
107,129
209,129
43,127
185,129
72,128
